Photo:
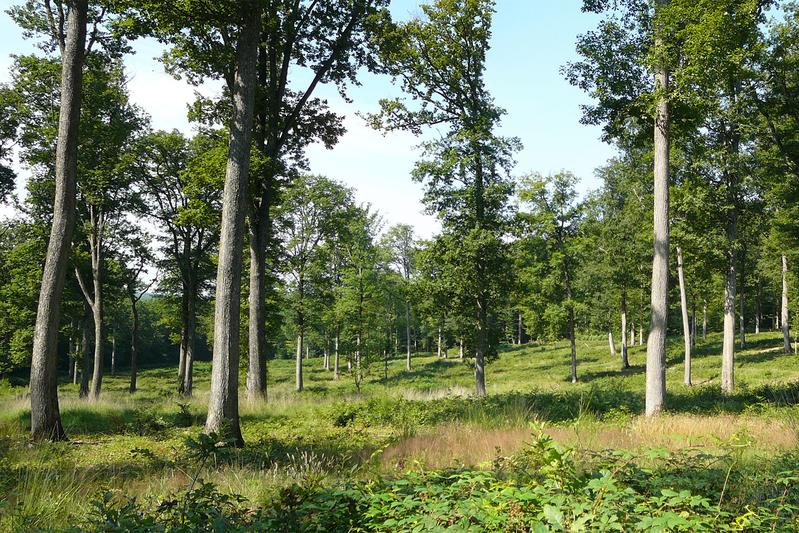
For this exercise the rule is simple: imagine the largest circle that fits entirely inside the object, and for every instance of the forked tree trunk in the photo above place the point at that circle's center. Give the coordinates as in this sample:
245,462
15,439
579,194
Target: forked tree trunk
223,407
786,323
656,342
686,326
45,414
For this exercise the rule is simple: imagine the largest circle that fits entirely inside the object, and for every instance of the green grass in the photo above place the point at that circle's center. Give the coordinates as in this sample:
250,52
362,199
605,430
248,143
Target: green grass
425,418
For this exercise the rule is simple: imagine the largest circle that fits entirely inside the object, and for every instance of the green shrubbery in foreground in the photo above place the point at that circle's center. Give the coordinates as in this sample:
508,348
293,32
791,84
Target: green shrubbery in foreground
539,488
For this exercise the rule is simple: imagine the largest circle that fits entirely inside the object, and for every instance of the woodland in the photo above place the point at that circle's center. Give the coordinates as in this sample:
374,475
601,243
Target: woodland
197,333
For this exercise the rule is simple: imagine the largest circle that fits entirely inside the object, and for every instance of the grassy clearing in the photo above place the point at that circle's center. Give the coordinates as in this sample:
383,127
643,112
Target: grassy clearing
401,421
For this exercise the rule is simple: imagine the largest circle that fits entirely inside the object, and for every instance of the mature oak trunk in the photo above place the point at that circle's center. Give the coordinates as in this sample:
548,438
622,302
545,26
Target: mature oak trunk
786,324
656,342
686,325
45,415
223,407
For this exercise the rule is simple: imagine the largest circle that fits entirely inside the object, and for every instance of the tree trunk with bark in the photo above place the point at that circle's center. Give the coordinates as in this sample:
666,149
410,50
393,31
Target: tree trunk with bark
686,326
728,345
134,347
656,342
408,335
786,323
223,407
45,414
625,361
86,354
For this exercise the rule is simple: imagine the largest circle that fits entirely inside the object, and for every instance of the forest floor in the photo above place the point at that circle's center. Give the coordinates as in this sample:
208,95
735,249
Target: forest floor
144,445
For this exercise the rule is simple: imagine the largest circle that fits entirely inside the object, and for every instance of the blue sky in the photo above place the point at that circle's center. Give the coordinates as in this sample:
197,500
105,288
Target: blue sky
531,40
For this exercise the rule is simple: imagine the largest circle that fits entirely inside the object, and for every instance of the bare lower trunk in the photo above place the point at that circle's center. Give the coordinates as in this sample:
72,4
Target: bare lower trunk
191,328
786,324
704,320
298,364
742,322
184,338
114,353
97,314
520,329
758,306
656,342
336,355
408,335
223,407
460,349
86,354
632,334
45,414
612,344
686,327
256,342
728,346
134,348
439,342
479,356
625,361
573,343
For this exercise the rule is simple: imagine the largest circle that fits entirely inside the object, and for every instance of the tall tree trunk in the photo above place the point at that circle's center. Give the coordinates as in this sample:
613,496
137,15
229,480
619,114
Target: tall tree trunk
134,347
632,334
97,314
460,349
728,345
298,385
704,319
191,341
223,407
114,351
741,301
336,358
45,414
408,335
612,344
786,323
256,342
86,354
758,306
184,337
686,326
625,361
573,343
439,342
479,356
520,328
656,342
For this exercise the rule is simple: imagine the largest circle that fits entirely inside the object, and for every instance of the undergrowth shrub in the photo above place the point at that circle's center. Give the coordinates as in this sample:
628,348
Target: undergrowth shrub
541,488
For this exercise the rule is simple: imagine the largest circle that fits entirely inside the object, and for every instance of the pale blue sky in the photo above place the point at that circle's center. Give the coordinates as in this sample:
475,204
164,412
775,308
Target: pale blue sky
531,40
